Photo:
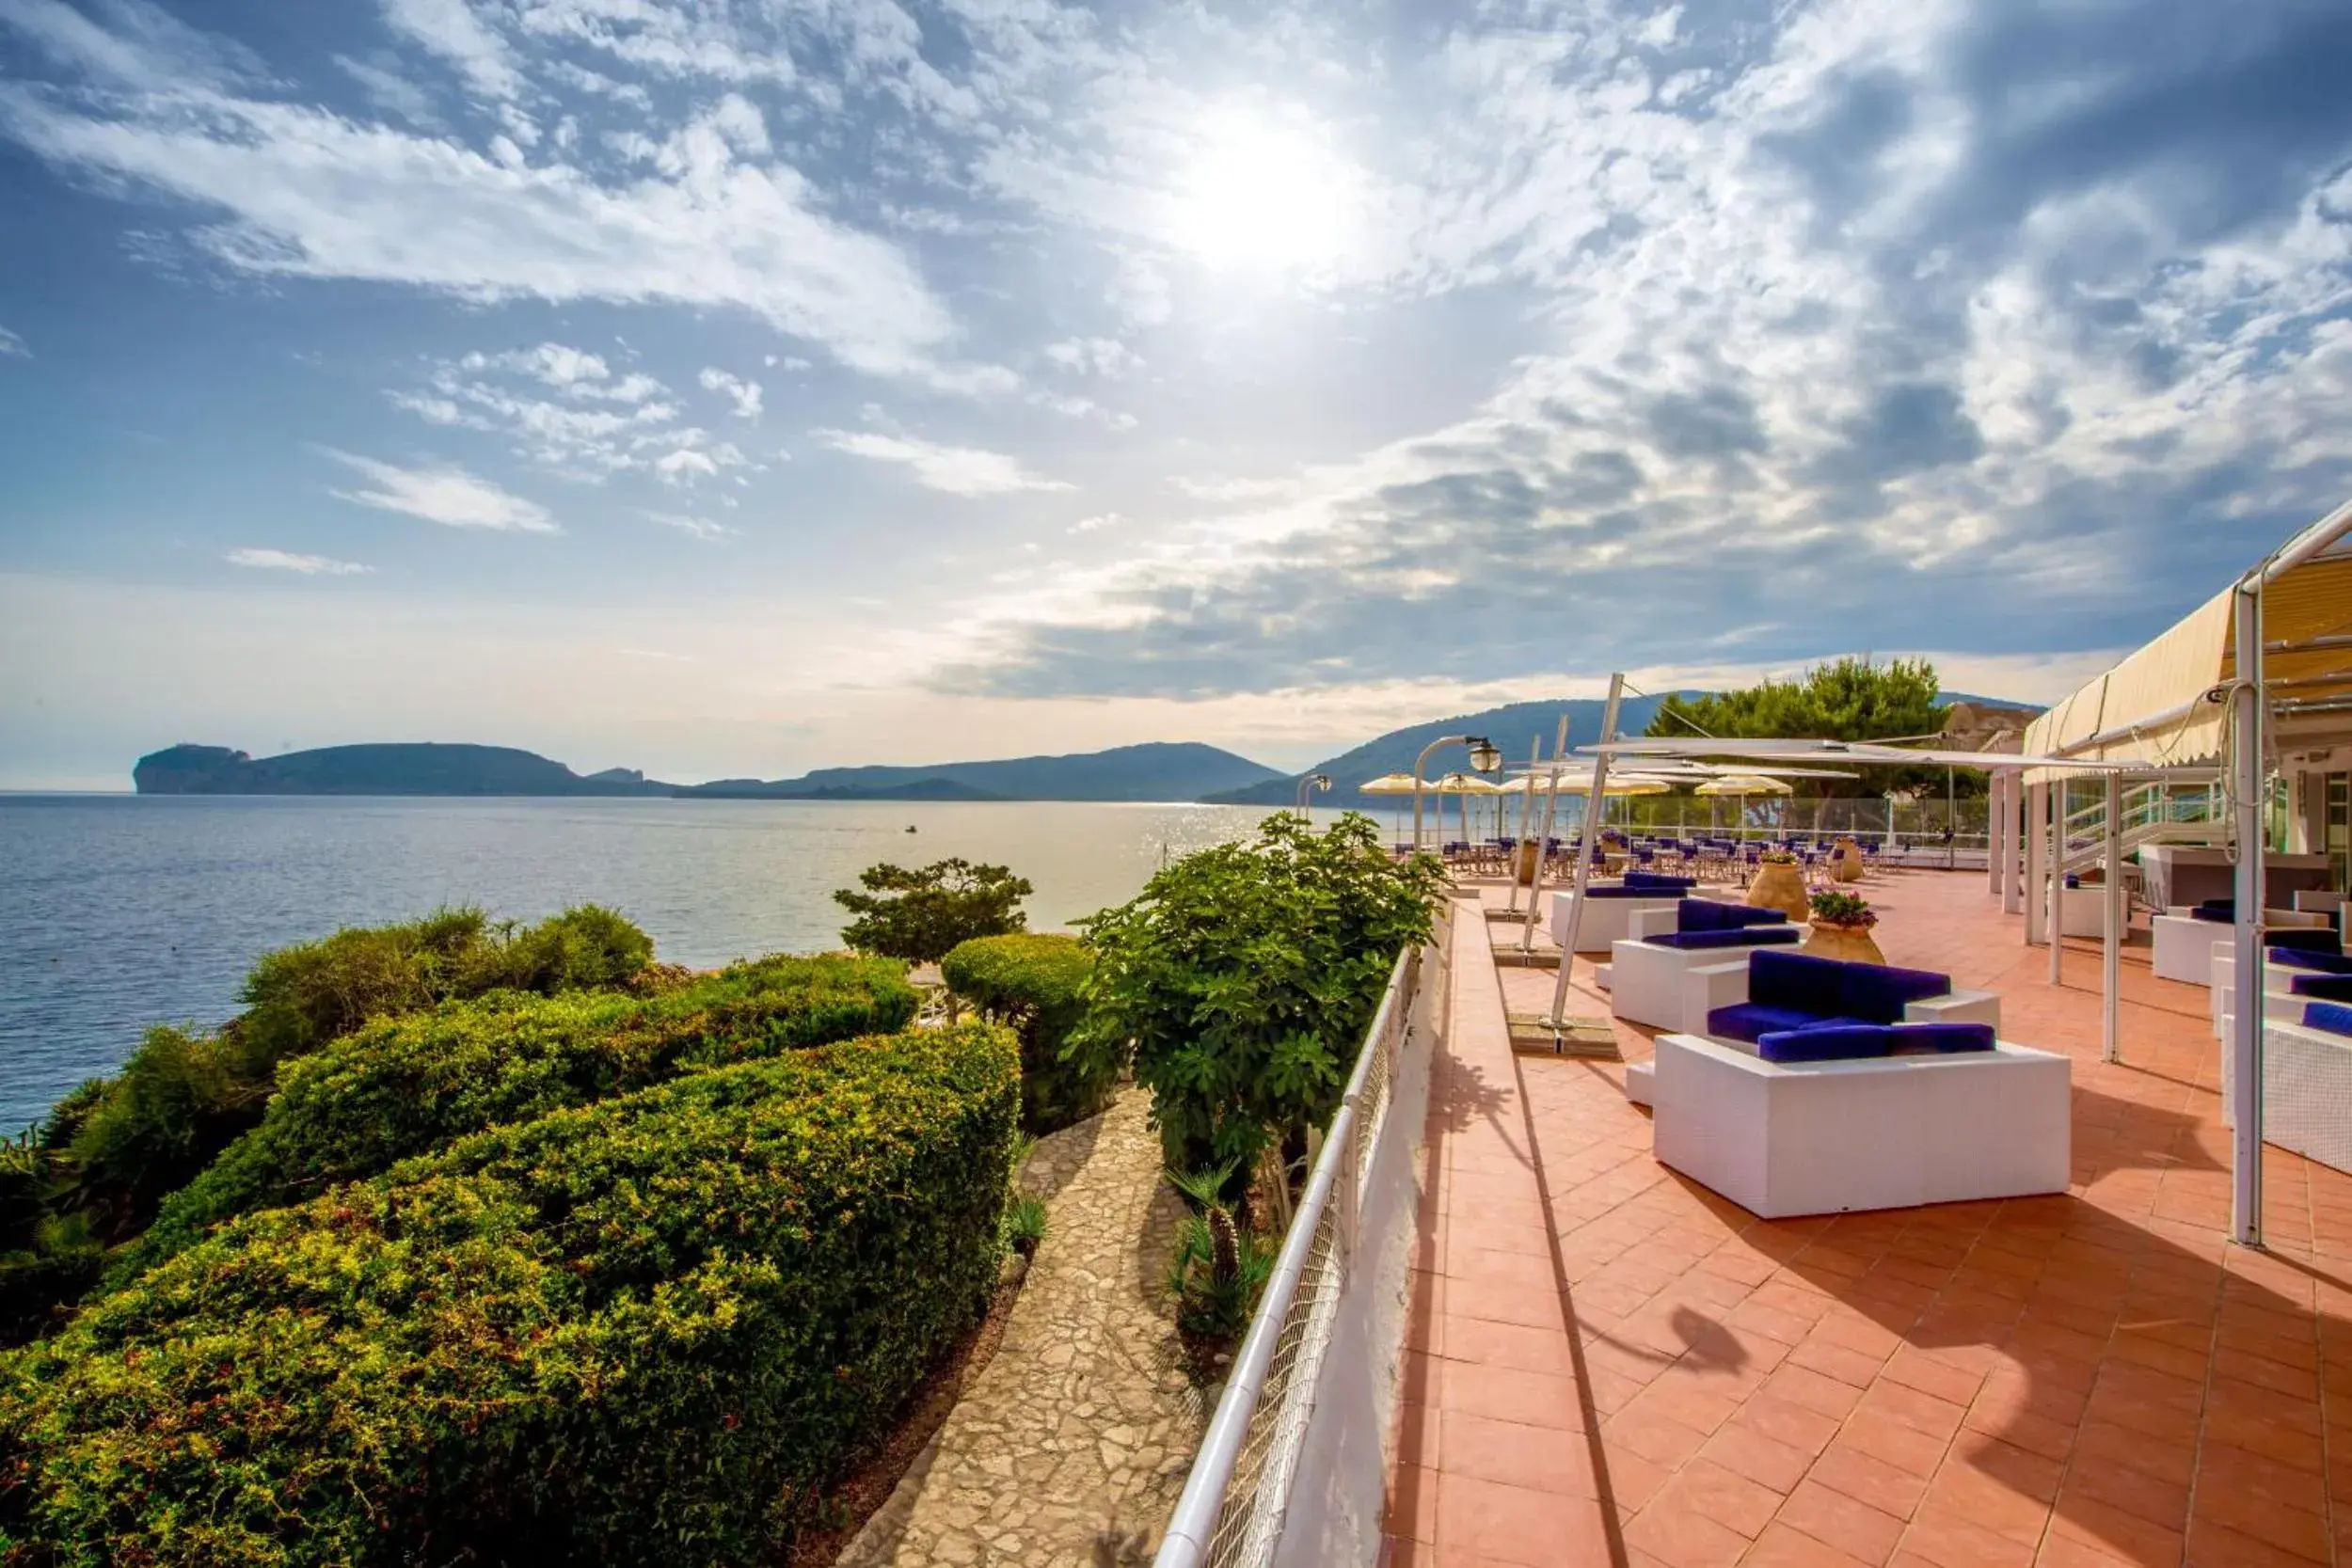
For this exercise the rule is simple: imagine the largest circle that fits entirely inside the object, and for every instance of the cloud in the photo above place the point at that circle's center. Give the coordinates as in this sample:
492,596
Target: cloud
957,470
10,344
595,424
448,496
449,29
698,527
1096,355
286,560
744,394
1089,524
295,191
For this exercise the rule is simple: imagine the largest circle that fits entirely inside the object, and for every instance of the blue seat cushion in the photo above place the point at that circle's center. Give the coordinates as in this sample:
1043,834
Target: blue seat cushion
2327,987
1860,1041
1628,893
2313,958
1742,936
1798,981
1879,992
2334,1017
2223,910
2304,939
1753,1021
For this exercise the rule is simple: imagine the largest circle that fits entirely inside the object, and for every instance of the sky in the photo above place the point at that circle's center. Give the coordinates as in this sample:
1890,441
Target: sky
736,387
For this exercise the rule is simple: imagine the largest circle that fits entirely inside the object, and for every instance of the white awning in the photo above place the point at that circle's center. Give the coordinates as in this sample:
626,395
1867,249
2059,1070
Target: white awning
2158,708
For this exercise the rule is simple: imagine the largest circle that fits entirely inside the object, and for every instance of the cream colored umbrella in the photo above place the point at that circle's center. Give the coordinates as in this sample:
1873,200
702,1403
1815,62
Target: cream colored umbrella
1744,786
1390,784
1463,786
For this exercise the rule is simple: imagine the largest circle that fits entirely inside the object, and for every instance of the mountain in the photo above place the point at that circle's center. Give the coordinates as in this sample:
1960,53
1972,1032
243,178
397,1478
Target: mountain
929,787
1156,771
1509,727
420,768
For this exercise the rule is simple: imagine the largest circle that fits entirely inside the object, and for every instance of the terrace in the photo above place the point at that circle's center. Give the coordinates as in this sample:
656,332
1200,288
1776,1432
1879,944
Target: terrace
1607,1363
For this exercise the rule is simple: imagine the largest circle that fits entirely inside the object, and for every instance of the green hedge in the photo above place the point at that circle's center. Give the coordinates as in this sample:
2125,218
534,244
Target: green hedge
407,1086
182,1097
1037,983
645,1331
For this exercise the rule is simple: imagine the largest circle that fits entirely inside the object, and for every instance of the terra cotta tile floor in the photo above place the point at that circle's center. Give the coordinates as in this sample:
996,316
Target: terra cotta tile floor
1609,1364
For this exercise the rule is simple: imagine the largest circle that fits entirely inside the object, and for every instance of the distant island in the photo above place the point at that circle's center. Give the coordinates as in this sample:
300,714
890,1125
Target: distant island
1156,771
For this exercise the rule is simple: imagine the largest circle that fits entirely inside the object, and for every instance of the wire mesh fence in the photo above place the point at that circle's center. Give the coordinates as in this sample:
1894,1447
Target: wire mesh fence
1234,1508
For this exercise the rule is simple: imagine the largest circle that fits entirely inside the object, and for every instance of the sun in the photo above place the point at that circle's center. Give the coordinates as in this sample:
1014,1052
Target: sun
1265,194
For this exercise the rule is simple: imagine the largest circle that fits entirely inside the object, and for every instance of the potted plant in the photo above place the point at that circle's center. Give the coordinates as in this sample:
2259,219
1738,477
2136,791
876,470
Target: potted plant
1845,861
1841,928
1778,885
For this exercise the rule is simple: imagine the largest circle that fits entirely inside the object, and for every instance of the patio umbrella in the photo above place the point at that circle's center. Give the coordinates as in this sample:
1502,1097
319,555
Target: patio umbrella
1744,786
1390,784
1464,786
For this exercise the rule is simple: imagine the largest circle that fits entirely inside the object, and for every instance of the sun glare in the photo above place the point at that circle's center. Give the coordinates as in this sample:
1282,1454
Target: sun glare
1260,194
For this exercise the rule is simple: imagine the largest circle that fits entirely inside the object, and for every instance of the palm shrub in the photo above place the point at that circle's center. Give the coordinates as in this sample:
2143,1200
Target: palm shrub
1243,979
920,914
648,1330
407,1086
1219,1266
1036,984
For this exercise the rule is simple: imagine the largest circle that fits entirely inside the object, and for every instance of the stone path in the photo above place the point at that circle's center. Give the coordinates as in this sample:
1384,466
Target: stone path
1073,1443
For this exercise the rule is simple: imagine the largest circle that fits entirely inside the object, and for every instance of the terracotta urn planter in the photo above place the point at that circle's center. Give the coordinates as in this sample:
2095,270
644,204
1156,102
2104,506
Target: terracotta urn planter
1845,861
1846,943
1523,861
1780,886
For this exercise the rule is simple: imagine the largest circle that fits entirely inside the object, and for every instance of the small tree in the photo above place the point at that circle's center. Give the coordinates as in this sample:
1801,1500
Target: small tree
1245,977
921,914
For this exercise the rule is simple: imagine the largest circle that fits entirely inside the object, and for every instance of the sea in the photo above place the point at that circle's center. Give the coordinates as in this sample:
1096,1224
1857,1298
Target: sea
121,911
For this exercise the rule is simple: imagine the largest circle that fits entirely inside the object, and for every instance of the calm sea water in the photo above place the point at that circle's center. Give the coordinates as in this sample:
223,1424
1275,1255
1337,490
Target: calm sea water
120,912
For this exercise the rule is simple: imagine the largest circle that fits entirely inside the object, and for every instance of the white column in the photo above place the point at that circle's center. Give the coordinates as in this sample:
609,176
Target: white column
2037,858
2111,951
1995,784
2053,879
2012,852
2246,1038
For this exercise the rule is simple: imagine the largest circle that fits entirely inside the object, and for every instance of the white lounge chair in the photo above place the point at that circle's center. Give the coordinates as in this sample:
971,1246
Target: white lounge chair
2307,1089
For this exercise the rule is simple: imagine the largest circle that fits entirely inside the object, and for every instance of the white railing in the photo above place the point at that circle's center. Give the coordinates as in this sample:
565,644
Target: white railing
1294,1465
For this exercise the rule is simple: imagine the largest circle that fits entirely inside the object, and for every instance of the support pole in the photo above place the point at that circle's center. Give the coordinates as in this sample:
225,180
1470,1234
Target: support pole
2111,952
2054,917
1527,818
1996,790
1586,844
2013,850
2036,828
2246,1035
1543,840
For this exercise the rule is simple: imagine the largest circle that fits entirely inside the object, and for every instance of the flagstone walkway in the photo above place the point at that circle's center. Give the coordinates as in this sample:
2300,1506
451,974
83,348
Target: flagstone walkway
1073,1444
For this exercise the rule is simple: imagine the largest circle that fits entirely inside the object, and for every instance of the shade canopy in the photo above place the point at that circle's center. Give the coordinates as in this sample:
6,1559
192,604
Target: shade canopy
1862,753
1460,783
2160,707
1744,784
1625,784
1390,784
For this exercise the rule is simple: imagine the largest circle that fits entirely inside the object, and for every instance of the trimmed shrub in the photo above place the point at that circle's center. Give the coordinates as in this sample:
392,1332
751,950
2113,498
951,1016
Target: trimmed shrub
644,1331
407,1086
1036,983
920,914
182,1097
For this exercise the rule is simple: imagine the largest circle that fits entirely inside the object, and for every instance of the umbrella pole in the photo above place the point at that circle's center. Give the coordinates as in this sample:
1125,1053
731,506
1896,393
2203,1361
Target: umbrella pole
1543,839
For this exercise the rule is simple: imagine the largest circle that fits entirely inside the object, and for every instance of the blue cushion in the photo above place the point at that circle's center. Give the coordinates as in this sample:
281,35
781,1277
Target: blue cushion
2333,1017
1796,981
2304,939
1845,1044
2328,987
2223,910
1751,1020
1738,935
1628,893
2318,958
1946,1039
1880,992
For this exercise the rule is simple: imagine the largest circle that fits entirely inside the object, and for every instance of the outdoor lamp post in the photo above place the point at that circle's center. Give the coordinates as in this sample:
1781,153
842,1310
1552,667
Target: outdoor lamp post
1320,782
1483,755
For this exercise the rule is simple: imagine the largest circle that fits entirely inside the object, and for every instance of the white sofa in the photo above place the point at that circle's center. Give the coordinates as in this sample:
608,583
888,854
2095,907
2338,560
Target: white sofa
1607,920
2307,1090
1648,982
2181,947
1713,985
1893,1133
2277,987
